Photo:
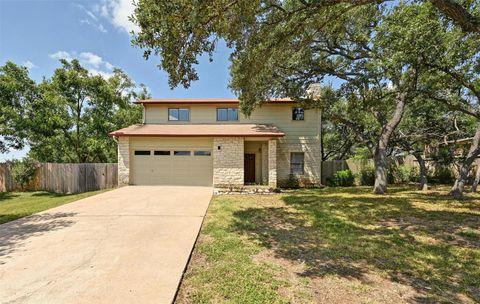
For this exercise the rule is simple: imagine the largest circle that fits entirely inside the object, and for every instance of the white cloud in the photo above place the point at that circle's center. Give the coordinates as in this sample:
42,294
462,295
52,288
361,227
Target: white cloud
101,28
29,65
104,74
91,59
89,13
92,62
86,21
109,66
61,55
91,19
118,12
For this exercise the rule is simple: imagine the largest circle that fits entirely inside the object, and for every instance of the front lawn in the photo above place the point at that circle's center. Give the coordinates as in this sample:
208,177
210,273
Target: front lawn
337,245
14,205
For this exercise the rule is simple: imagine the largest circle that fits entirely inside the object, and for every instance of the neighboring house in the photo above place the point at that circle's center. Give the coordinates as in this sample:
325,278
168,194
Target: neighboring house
209,142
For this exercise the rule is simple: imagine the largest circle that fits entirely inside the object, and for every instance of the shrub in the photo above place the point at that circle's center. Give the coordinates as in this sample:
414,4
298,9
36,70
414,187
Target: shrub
404,174
292,182
443,175
23,171
367,176
342,178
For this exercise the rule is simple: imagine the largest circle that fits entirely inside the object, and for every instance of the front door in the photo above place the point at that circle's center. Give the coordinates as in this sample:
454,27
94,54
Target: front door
249,168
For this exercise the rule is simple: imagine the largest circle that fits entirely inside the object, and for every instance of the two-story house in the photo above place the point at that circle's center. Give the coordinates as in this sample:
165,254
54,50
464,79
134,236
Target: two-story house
209,142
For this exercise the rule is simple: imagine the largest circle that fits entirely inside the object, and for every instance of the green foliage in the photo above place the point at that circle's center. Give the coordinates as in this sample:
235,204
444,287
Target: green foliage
292,182
16,90
337,141
367,176
404,174
67,117
23,171
362,153
444,155
343,178
442,175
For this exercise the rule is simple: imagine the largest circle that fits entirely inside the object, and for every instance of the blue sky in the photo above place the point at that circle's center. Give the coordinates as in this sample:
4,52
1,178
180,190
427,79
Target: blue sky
36,33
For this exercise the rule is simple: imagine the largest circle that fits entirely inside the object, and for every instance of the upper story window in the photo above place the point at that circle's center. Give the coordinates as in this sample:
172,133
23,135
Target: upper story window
298,114
179,114
227,114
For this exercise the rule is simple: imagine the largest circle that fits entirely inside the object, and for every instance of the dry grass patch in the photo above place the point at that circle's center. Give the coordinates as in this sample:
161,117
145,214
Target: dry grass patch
338,246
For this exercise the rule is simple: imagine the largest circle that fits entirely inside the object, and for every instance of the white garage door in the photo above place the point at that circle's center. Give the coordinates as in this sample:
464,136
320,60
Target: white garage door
171,162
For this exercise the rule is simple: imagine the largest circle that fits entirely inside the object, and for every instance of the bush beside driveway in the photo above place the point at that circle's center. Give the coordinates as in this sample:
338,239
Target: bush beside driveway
337,245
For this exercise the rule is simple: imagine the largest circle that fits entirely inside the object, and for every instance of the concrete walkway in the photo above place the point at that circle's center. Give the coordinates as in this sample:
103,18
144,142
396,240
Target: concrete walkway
129,245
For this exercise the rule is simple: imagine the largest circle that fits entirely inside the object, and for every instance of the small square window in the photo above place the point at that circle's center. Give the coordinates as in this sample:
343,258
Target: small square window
202,153
181,153
298,114
142,152
179,114
161,152
297,163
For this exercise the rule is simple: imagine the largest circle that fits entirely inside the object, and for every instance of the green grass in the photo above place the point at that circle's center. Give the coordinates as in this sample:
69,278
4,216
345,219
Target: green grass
337,245
15,205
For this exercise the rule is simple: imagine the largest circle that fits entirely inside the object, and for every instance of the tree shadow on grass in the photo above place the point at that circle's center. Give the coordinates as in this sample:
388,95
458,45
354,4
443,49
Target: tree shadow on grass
49,194
14,234
7,195
350,236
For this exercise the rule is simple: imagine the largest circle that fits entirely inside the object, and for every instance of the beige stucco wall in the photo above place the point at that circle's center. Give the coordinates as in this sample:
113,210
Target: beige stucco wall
123,161
300,136
228,161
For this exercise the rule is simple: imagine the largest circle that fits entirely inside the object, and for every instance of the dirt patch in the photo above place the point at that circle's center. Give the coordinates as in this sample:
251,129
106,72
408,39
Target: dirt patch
296,289
370,289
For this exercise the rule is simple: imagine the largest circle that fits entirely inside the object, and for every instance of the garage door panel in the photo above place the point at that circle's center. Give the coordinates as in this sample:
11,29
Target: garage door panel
182,170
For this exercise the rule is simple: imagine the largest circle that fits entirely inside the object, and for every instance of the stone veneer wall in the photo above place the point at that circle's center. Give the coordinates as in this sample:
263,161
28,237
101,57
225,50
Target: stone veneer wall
228,161
123,161
272,163
265,163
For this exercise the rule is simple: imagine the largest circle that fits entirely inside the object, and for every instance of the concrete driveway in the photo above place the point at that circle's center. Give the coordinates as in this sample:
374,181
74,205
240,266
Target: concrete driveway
129,245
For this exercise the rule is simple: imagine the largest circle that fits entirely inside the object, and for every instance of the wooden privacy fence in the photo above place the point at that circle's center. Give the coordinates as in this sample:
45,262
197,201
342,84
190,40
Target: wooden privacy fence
65,178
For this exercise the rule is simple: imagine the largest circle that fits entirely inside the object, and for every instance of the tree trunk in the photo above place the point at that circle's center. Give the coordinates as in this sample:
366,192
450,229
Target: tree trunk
457,189
380,162
477,179
380,155
423,172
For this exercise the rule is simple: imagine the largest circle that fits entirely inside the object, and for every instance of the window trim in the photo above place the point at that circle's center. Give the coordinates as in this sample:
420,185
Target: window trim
227,114
293,109
292,163
178,109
